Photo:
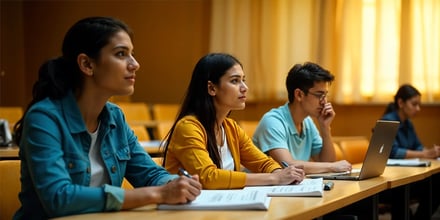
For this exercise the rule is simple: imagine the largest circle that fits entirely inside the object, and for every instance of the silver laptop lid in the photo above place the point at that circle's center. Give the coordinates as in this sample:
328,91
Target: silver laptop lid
379,148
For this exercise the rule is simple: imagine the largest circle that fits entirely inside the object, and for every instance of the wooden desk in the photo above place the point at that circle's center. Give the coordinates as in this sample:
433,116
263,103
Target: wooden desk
399,176
343,194
152,147
400,180
9,153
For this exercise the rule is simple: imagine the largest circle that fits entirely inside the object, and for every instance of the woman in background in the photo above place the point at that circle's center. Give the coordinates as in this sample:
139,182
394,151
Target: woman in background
405,106
205,141
407,145
75,146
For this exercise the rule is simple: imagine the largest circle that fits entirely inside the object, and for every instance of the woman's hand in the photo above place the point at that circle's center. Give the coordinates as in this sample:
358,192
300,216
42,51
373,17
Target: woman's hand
290,175
181,190
432,152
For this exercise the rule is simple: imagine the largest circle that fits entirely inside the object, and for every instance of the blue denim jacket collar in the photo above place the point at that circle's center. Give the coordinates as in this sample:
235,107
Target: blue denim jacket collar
74,118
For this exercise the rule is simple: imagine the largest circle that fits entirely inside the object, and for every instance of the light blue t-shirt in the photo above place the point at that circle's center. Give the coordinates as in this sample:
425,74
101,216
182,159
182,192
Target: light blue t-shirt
276,130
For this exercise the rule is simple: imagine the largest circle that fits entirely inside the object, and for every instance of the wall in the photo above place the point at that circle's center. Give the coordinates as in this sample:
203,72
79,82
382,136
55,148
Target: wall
12,82
170,36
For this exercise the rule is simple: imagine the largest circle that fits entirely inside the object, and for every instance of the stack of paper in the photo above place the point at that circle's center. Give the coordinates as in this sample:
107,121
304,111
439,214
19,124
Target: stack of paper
224,200
416,162
308,187
250,198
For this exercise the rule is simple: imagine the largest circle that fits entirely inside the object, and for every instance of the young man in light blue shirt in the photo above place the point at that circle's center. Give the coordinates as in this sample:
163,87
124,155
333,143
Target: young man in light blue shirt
288,133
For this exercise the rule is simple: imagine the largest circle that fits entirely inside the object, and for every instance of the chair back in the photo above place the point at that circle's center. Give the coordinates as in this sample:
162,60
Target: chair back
338,152
136,113
163,127
354,150
141,132
10,186
126,184
248,126
165,112
12,114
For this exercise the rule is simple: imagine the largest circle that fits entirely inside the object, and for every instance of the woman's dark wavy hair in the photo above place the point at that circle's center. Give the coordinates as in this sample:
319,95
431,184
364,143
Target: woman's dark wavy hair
60,75
199,103
405,92
303,76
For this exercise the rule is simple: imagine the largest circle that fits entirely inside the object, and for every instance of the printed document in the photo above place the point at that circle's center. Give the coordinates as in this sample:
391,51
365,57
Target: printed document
224,200
415,162
308,188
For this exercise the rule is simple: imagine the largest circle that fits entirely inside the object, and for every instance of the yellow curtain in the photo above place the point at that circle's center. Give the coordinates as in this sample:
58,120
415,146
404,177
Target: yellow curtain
371,46
268,37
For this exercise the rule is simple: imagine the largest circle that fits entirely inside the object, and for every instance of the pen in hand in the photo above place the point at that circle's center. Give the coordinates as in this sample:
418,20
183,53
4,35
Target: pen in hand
285,165
184,172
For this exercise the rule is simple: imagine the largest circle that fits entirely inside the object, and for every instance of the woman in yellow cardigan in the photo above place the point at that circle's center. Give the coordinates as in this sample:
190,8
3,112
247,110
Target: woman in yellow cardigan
204,141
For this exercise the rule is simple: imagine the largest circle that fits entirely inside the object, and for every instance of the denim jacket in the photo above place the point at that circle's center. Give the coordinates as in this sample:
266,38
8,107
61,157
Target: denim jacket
55,167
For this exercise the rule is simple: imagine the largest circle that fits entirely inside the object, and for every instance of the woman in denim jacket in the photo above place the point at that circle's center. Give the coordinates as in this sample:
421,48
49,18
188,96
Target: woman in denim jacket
75,146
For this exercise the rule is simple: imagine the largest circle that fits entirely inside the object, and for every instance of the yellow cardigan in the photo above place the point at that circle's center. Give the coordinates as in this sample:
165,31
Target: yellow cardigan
187,149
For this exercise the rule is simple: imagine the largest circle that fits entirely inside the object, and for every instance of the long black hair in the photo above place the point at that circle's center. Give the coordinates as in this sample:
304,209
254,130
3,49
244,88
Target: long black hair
60,75
405,92
199,103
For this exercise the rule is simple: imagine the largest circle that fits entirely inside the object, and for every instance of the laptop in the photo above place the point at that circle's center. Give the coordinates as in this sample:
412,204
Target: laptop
375,160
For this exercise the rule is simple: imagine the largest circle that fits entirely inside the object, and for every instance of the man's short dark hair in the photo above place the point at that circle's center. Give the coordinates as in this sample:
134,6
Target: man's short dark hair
304,76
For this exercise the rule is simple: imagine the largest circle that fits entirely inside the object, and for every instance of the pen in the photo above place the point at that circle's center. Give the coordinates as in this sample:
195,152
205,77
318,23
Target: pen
285,164
184,172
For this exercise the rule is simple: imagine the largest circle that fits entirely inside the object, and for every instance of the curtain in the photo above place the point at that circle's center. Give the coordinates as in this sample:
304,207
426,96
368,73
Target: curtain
371,46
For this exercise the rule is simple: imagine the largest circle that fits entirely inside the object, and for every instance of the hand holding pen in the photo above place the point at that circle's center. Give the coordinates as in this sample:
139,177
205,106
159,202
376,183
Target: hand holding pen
184,172
293,173
181,190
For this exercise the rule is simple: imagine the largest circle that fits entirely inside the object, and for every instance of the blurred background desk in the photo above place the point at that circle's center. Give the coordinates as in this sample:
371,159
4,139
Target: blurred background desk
9,153
152,147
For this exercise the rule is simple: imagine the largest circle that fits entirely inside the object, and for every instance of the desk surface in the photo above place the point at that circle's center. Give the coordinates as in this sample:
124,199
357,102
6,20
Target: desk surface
398,176
344,193
10,152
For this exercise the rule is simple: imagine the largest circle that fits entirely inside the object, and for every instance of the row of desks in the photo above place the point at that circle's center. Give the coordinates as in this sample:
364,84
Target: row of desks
152,147
343,194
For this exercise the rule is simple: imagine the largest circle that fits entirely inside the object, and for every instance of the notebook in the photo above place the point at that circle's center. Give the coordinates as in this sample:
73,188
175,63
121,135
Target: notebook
224,200
307,188
375,160
415,162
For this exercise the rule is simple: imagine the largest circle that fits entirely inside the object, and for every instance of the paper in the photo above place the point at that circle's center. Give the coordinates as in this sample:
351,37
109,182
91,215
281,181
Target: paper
416,162
224,200
307,188
151,143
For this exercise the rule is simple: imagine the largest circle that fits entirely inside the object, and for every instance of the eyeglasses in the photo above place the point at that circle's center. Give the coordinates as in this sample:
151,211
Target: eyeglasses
321,96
